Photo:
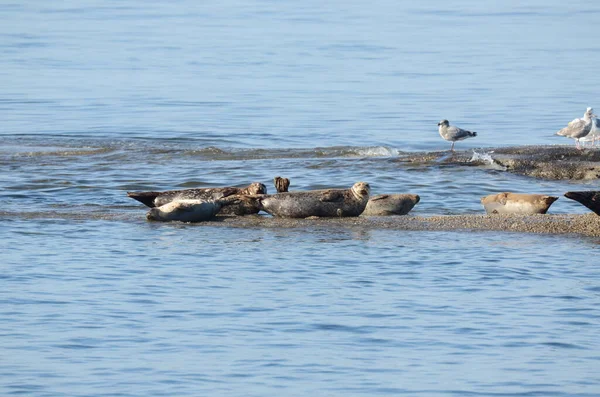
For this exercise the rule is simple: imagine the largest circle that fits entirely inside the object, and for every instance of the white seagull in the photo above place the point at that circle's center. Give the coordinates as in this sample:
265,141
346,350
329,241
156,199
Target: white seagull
452,133
579,128
594,134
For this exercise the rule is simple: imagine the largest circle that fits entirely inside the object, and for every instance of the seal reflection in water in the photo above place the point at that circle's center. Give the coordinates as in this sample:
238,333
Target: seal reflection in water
517,203
590,199
319,203
391,204
189,210
157,199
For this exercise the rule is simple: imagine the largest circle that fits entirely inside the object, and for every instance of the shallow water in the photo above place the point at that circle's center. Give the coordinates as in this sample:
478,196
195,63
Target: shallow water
104,98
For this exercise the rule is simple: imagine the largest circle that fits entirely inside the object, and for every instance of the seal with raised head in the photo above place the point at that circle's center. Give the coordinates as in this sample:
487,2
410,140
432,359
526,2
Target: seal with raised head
281,184
189,210
590,199
517,203
157,199
390,204
317,203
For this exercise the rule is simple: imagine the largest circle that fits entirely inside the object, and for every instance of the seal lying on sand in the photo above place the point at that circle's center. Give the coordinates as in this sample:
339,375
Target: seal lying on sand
391,204
319,203
189,210
157,199
281,184
517,203
590,199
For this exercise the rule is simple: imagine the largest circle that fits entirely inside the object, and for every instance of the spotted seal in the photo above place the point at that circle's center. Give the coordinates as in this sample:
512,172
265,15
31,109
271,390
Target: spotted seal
590,199
517,203
157,199
317,203
189,210
390,204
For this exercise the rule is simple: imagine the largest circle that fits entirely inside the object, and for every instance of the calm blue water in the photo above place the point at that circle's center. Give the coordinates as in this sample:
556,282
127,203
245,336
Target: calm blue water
101,98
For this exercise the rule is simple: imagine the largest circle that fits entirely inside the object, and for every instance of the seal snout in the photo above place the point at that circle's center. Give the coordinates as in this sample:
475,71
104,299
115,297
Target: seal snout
152,215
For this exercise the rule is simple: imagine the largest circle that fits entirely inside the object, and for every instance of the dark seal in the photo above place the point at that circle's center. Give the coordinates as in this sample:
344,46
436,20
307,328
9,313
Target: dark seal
157,199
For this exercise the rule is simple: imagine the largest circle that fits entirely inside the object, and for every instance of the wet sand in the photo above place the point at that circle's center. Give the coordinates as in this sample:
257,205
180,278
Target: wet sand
587,224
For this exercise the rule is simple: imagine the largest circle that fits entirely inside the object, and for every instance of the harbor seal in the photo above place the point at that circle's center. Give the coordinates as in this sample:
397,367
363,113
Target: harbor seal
517,203
590,199
189,210
157,199
452,133
317,203
390,204
281,184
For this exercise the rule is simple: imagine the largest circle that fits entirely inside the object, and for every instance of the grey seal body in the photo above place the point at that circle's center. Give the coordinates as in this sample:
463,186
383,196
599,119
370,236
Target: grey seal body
157,199
390,204
452,133
317,203
189,210
590,199
579,128
517,203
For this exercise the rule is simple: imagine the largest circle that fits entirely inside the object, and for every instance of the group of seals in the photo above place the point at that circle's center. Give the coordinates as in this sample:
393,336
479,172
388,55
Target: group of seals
197,205
157,199
319,203
382,204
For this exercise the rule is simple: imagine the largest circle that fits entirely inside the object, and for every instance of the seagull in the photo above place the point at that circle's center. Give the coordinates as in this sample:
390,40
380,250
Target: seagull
594,134
452,133
579,128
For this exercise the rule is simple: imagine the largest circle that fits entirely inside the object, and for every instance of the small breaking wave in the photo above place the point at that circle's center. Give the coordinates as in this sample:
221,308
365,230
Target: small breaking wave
486,159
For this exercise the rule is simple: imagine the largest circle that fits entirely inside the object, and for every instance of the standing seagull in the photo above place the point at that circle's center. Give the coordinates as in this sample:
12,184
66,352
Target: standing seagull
594,134
579,128
452,133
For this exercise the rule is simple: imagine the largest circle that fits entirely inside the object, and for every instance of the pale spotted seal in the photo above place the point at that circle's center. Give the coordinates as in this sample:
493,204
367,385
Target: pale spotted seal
157,199
189,210
452,133
318,203
517,203
390,204
590,199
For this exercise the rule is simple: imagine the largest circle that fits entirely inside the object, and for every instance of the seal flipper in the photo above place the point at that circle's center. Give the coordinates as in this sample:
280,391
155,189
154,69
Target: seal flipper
590,199
379,197
146,198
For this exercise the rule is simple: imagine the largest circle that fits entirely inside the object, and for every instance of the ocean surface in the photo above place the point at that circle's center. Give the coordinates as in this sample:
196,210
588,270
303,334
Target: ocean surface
103,97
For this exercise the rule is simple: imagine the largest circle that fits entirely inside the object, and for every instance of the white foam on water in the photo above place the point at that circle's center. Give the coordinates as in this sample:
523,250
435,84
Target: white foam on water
487,159
377,151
